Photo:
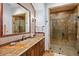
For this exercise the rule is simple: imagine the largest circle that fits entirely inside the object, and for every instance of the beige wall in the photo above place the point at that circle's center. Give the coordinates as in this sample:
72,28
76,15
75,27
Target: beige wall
17,37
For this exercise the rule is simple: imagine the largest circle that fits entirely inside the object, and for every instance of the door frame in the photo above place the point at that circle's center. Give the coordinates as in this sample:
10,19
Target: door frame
49,29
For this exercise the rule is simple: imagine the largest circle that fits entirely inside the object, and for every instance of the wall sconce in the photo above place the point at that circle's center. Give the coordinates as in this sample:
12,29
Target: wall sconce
33,19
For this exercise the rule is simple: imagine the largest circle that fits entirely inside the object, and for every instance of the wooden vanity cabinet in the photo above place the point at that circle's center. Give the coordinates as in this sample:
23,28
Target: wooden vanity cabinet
36,50
42,47
30,52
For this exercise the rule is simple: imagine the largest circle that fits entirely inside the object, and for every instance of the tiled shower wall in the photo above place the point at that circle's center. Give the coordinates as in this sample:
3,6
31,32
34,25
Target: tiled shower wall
63,28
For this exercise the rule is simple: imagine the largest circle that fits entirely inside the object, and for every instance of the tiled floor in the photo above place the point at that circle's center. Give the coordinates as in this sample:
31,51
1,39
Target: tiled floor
48,53
58,50
64,50
61,48
51,53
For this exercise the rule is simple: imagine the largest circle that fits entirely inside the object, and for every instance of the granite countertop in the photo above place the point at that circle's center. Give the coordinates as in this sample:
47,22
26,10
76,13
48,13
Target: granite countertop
20,47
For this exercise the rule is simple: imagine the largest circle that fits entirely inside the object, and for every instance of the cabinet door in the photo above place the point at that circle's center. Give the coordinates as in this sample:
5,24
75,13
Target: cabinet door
24,54
30,52
42,47
37,49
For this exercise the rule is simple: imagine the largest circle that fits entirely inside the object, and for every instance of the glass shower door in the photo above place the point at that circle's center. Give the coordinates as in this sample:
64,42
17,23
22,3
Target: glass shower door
63,29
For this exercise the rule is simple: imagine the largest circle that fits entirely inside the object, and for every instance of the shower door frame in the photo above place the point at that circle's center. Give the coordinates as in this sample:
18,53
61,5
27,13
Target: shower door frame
49,13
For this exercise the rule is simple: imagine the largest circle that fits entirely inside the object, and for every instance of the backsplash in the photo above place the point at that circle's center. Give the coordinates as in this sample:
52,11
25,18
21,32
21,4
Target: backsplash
8,39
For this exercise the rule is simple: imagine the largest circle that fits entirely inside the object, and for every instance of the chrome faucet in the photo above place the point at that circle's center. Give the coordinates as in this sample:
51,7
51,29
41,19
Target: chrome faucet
23,37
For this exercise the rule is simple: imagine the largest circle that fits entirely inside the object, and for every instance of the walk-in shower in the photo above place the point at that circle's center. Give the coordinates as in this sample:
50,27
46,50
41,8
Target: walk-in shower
63,32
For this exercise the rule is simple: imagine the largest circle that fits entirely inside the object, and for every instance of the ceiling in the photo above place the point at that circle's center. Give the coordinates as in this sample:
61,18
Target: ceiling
13,5
54,6
64,7
38,6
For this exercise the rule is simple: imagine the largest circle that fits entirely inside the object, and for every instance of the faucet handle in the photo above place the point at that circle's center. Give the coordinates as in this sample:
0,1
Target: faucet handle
23,37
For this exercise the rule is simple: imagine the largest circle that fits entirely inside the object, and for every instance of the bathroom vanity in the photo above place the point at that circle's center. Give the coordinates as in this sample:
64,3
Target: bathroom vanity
29,47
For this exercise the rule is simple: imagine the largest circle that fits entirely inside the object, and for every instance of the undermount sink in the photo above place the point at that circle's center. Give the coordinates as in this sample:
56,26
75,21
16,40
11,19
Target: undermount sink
13,46
12,43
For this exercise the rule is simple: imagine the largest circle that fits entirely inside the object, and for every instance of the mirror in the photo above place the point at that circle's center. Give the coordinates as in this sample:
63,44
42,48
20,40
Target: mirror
15,19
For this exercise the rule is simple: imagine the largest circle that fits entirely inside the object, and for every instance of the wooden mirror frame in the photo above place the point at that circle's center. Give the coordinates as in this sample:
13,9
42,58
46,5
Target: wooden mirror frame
1,21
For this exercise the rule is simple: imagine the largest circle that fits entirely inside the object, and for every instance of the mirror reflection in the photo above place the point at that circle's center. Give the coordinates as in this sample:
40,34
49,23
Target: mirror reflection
15,19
